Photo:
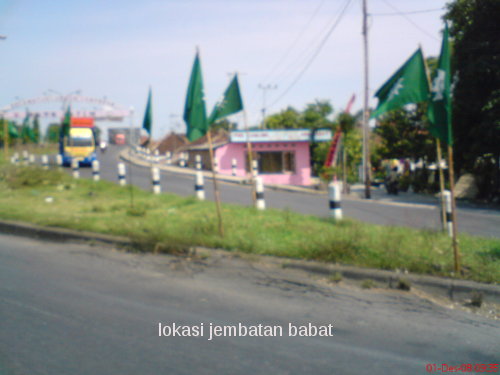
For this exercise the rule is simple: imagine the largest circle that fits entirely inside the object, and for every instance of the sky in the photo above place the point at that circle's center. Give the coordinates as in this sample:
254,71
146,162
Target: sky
118,49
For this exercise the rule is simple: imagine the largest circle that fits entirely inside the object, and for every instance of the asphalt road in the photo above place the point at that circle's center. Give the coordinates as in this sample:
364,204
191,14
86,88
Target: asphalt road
470,220
75,309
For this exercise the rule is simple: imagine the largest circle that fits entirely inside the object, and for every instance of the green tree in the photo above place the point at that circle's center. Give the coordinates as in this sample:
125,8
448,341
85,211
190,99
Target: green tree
289,118
476,97
403,134
52,133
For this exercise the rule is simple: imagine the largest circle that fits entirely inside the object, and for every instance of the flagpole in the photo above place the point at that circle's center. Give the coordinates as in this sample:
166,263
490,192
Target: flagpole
216,188
366,133
131,144
441,184
456,251
249,157
438,152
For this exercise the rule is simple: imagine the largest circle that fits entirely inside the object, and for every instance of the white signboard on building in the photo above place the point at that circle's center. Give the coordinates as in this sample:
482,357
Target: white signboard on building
299,135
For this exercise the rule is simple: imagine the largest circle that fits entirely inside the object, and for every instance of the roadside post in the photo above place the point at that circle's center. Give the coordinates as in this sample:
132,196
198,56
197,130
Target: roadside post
254,168
32,159
334,198
25,157
155,178
449,216
59,161
198,162
75,166
260,203
233,166
122,174
95,170
199,187
45,162
169,157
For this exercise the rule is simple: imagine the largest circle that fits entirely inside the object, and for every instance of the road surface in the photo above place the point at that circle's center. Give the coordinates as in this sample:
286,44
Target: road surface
75,309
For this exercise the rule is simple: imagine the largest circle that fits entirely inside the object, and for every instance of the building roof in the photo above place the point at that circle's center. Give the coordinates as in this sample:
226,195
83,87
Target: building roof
172,142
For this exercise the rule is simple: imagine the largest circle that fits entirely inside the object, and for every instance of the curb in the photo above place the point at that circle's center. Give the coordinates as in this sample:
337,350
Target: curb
454,289
60,234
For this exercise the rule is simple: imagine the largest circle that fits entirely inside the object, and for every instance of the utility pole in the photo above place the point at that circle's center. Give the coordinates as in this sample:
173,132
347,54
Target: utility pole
264,89
366,129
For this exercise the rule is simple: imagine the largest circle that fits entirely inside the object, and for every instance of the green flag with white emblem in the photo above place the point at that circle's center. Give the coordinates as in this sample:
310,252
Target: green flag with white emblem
230,103
408,85
439,111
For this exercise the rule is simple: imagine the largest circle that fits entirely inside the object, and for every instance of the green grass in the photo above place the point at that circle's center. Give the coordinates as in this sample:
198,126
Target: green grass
169,223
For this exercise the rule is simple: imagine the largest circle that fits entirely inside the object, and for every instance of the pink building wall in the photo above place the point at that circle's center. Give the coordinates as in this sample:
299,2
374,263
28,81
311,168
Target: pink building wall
301,176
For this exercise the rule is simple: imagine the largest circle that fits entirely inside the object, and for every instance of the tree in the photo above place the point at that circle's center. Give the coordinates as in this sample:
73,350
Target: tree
287,119
314,116
52,133
476,97
403,134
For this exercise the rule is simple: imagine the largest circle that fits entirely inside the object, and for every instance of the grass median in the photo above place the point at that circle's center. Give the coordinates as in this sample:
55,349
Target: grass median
170,223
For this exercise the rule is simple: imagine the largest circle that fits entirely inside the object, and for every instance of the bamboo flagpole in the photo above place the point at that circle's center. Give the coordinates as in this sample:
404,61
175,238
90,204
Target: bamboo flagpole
456,251
441,184
250,159
440,117
216,187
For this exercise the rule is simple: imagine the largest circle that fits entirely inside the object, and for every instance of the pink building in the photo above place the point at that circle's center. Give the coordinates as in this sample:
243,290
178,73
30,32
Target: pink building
282,155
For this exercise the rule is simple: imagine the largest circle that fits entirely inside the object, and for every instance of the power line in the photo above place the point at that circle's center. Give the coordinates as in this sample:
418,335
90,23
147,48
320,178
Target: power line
402,14
316,53
290,48
296,40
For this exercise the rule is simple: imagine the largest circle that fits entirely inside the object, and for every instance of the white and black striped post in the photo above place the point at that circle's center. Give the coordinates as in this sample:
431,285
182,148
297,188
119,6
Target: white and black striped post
32,159
334,198
96,170
169,157
254,168
182,161
157,156
13,160
155,180
16,158
234,165
122,174
25,157
449,216
198,162
59,160
199,186
260,203
75,167
45,162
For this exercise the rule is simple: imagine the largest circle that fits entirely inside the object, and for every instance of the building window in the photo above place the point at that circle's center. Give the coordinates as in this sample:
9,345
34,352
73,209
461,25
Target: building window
274,162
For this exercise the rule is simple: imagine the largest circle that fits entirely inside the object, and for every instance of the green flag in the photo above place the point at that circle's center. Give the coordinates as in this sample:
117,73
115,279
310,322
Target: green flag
148,115
13,133
408,85
66,124
25,128
194,110
36,128
230,103
439,111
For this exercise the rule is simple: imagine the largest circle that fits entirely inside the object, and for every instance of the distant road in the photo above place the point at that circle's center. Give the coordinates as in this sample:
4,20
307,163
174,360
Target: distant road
79,310
473,221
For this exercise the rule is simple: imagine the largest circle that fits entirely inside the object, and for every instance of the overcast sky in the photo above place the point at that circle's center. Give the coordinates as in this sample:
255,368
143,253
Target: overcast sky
118,48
